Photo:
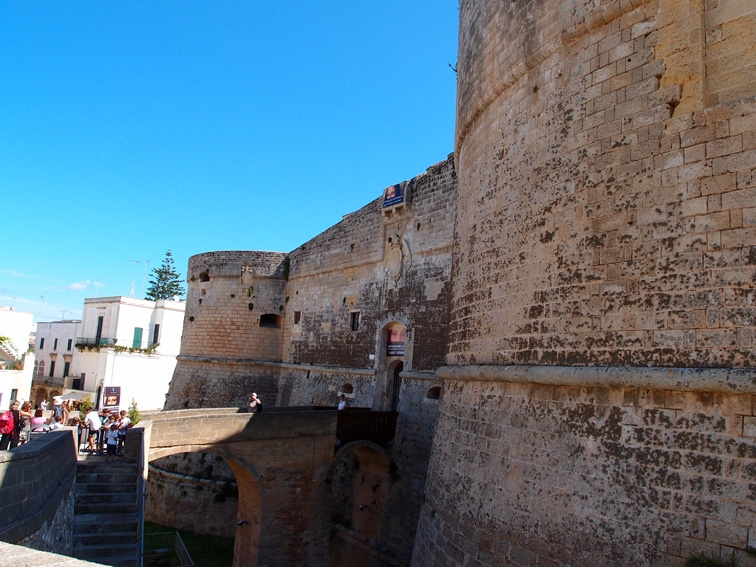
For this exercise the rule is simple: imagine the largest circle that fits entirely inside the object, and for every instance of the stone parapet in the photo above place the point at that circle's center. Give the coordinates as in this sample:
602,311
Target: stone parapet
37,487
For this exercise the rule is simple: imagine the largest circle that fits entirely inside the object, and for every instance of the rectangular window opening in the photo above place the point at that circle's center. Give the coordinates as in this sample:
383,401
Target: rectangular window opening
98,334
41,343
70,343
52,369
156,334
355,320
55,344
297,317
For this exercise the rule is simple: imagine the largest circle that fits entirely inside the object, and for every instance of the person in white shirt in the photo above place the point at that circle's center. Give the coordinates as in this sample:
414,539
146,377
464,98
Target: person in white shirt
123,426
342,402
94,424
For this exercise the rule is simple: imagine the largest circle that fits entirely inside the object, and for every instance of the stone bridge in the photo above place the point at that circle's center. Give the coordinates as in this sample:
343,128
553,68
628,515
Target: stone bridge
281,459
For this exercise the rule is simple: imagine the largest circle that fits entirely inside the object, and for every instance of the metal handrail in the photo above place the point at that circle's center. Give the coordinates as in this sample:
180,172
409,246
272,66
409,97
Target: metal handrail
165,542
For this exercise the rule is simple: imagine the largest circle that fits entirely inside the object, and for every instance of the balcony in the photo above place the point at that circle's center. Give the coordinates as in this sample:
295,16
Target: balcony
40,379
88,341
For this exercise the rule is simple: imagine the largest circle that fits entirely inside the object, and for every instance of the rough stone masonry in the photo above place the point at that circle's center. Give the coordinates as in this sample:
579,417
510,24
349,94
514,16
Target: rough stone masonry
579,282
598,403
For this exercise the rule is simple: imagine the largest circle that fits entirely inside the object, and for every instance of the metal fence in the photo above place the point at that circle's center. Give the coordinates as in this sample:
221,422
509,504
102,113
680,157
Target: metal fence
166,542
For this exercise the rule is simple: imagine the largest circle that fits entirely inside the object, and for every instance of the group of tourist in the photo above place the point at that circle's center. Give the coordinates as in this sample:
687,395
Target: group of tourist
106,432
27,421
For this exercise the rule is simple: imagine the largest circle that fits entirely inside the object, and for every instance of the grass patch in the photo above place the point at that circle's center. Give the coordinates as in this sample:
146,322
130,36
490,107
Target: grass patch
206,550
706,561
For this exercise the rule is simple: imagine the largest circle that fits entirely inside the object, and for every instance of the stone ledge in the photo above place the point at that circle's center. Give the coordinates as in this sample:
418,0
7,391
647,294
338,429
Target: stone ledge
285,365
719,380
417,375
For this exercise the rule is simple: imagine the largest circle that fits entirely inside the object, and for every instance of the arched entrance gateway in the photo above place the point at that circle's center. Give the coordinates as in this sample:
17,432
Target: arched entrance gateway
393,349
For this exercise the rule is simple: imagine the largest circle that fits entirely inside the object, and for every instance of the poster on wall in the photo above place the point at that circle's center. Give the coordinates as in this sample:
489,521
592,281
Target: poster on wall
395,343
112,397
393,196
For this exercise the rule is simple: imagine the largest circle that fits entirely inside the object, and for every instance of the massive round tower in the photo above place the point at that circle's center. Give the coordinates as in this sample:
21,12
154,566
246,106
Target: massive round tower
232,329
597,403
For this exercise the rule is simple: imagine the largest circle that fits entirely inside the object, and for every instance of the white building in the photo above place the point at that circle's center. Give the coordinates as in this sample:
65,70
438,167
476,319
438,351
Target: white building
121,343
54,347
17,326
15,384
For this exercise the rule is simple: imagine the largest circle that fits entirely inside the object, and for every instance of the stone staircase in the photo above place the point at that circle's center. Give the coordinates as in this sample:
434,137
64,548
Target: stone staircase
106,522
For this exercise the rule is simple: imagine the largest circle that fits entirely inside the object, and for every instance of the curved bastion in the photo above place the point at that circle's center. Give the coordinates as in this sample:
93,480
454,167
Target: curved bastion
606,210
606,154
231,328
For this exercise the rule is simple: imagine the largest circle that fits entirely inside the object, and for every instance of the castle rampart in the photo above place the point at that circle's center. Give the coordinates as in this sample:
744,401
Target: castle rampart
597,407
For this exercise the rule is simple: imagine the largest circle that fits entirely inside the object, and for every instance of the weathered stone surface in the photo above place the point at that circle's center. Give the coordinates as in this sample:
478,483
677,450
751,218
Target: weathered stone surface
598,201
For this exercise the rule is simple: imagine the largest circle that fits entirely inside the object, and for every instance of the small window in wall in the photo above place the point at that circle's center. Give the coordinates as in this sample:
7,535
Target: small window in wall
137,342
204,277
297,317
55,344
355,321
70,344
41,366
66,369
14,394
156,334
434,393
347,389
41,343
270,321
52,369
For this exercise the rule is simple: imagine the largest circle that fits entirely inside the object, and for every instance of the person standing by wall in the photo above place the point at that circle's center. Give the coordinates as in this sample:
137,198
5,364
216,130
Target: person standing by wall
10,440
93,423
254,405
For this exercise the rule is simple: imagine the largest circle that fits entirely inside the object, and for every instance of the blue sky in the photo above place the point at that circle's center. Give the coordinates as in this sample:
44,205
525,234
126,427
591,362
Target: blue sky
131,128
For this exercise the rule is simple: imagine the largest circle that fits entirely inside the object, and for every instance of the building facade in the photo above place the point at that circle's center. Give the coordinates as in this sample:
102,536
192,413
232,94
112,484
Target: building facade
121,342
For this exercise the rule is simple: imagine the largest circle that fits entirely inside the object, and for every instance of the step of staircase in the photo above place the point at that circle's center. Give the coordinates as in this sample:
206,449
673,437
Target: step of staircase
106,526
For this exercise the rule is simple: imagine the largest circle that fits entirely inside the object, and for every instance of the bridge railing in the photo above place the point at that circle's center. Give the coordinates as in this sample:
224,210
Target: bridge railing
363,424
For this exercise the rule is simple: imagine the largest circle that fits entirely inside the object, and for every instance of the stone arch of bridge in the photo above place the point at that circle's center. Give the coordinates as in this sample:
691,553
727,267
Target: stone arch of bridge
249,509
280,459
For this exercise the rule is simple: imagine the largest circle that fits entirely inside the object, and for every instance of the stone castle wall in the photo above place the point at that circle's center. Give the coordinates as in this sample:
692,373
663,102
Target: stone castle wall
607,213
606,155
387,266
